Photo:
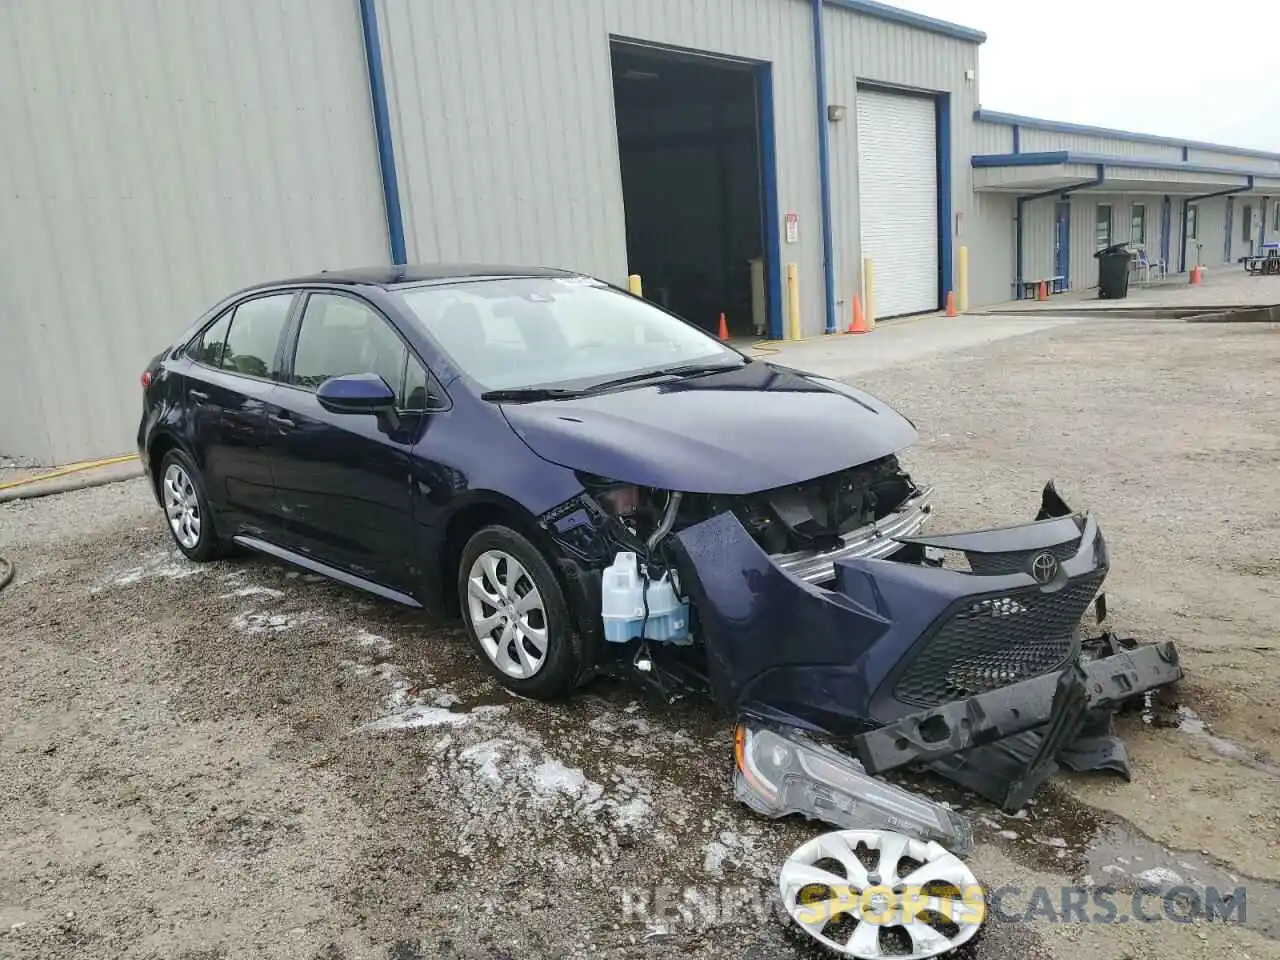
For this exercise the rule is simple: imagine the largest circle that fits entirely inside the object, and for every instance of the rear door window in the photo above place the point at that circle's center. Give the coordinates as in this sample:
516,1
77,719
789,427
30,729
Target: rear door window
341,335
252,342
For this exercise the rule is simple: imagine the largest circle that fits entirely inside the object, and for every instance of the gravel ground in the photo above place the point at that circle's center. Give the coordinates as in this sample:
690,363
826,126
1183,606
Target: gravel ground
239,760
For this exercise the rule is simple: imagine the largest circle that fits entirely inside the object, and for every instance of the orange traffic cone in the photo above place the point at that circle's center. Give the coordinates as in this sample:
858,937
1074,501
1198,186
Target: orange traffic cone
1042,292
951,304
859,323
1196,278
724,328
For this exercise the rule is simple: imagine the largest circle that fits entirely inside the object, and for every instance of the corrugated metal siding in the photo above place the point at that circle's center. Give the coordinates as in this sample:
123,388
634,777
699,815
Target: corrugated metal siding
1038,232
1037,239
861,48
992,138
1219,159
1038,140
528,169
157,157
989,235
1212,224
23,425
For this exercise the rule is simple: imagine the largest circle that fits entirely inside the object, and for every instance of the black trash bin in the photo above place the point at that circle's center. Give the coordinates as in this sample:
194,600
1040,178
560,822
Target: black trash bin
1113,271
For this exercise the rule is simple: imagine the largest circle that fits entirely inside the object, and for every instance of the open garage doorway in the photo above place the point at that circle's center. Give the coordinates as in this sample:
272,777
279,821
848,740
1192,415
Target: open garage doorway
694,182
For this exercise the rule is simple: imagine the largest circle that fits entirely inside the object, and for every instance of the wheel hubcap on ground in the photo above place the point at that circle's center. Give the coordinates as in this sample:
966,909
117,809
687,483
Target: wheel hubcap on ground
182,506
872,893
505,608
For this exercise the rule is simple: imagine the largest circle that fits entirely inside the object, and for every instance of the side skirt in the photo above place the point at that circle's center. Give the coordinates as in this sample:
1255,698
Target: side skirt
333,573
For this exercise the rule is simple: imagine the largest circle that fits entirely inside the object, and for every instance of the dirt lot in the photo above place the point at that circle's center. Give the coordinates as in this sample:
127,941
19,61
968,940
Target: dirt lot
236,760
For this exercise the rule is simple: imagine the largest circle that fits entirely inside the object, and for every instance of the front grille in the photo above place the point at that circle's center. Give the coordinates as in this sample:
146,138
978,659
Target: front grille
984,642
1017,561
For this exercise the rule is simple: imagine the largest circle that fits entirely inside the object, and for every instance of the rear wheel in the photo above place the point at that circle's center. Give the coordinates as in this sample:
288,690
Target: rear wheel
186,508
516,613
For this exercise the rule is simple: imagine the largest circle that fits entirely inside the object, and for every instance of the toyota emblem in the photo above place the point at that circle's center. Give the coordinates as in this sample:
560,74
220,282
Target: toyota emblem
1044,567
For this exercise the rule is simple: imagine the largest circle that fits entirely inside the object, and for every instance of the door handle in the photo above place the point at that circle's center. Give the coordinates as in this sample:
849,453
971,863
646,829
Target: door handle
197,395
281,419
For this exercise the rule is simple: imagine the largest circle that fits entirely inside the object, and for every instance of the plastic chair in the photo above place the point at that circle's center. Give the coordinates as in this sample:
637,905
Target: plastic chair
1146,266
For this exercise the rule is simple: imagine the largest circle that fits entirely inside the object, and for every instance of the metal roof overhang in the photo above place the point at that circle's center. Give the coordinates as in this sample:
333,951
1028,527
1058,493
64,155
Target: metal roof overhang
1023,173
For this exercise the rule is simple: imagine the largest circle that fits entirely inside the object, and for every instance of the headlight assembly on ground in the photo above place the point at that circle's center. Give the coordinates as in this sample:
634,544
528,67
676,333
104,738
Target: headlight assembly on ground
780,772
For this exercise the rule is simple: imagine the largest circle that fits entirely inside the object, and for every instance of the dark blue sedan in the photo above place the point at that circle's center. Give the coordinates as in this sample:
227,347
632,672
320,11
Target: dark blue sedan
493,440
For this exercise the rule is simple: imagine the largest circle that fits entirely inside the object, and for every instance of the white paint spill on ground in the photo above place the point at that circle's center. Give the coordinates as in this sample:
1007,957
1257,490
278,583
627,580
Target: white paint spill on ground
418,716
1160,877
158,565
551,777
371,641
253,591
728,847
508,781
255,621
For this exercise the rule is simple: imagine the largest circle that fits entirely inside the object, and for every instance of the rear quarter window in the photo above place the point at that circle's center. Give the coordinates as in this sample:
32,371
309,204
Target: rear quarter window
210,345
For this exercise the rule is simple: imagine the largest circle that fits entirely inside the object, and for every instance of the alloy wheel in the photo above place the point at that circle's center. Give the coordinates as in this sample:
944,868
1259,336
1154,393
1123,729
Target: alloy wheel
507,613
182,506
873,893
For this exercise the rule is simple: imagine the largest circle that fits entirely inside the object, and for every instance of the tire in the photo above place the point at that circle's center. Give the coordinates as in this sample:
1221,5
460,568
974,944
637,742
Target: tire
502,562
186,508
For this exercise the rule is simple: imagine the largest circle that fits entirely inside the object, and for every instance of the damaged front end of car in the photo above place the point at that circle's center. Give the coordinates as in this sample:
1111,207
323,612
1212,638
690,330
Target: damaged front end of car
819,613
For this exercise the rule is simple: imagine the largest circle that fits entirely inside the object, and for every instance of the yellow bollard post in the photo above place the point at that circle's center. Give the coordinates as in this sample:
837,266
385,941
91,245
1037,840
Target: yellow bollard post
962,282
869,291
793,301
633,284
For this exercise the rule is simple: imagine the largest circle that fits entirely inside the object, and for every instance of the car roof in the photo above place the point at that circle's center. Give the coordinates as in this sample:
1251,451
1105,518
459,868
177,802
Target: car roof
418,273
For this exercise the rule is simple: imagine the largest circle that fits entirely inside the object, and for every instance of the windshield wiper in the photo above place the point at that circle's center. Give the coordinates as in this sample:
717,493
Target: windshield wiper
519,394
684,370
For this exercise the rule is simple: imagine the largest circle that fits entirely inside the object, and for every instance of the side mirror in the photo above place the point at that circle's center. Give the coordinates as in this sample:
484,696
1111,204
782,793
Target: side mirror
356,393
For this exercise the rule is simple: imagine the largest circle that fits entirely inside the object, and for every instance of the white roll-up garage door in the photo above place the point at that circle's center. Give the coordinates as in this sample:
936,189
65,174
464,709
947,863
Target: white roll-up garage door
898,199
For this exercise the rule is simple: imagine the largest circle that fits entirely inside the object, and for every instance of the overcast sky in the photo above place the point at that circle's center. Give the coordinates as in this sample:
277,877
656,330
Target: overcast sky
1204,70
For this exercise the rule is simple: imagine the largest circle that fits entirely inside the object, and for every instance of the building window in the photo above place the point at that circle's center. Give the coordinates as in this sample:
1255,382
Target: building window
1193,228
1102,226
1138,223
1246,223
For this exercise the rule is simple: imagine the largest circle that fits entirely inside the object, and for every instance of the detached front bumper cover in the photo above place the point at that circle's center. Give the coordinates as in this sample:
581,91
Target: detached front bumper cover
981,674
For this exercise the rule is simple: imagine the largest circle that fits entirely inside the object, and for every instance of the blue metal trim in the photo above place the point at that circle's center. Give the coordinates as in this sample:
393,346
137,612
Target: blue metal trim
1050,157
382,128
769,188
1187,201
1186,154
946,266
883,11
1058,126
1166,225
1017,139
1097,181
824,165
1228,229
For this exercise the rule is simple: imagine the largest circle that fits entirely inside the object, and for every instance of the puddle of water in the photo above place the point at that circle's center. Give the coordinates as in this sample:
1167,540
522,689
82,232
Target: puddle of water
1161,713
1101,851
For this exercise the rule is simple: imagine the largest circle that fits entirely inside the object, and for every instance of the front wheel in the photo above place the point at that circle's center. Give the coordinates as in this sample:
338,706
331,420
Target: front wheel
516,613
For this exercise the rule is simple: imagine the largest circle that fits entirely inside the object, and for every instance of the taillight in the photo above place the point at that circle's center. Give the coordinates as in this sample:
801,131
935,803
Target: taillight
146,379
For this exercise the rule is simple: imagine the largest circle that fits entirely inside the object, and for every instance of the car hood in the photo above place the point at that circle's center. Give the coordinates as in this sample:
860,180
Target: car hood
752,428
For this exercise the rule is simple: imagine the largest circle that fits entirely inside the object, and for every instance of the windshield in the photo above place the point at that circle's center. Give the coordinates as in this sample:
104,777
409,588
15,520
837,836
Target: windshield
569,332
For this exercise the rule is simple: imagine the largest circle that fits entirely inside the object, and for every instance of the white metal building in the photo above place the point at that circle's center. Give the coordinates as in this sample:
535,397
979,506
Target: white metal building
154,157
